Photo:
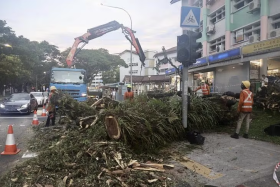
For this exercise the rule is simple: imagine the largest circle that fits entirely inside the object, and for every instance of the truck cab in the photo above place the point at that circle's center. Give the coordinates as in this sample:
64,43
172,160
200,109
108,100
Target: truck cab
70,81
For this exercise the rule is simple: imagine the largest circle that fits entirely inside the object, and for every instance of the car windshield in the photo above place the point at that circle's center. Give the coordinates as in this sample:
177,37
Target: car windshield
45,94
67,77
39,94
18,97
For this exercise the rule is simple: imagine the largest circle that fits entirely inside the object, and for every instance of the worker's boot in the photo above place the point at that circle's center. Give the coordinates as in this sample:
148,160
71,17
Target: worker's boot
245,136
235,135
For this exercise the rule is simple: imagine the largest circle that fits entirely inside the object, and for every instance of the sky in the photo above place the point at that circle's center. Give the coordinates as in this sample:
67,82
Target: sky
156,22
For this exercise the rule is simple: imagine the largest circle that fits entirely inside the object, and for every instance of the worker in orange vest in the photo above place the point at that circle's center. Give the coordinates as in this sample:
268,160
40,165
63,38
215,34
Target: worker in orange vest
244,109
129,94
204,88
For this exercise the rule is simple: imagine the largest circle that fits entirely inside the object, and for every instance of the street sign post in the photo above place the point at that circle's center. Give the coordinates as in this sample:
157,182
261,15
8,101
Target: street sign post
190,17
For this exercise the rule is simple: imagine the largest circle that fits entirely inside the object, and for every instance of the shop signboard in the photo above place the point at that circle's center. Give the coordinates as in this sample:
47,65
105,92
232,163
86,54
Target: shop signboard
230,54
199,62
173,70
261,47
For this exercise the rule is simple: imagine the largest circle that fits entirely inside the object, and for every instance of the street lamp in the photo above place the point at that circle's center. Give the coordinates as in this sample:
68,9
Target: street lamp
130,44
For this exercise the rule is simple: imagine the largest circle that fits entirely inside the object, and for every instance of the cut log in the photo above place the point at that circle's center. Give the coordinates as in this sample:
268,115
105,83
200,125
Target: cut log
112,127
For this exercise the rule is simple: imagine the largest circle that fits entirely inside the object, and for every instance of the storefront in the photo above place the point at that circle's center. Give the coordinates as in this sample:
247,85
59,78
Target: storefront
226,70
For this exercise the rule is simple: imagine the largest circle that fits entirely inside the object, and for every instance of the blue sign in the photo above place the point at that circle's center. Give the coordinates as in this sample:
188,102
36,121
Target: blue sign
233,53
173,70
190,17
199,62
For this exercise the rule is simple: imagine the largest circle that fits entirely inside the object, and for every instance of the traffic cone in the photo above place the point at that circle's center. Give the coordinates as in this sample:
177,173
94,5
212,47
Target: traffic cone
35,119
44,111
10,148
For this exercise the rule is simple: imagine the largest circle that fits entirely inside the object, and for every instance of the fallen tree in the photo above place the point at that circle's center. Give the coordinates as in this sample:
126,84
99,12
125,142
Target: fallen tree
106,143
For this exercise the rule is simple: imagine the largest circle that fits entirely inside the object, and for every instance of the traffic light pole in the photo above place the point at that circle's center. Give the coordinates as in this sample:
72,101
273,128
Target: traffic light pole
185,97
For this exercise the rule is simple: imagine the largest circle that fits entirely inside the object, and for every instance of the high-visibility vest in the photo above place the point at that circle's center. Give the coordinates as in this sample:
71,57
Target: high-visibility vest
248,101
204,89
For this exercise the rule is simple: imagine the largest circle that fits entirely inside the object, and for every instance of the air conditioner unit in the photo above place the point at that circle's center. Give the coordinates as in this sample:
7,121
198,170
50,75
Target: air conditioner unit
210,2
274,33
255,5
254,38
210,29
220,48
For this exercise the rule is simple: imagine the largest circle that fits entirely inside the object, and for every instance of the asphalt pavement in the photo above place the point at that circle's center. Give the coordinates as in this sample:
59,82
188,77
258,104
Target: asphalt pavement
22,133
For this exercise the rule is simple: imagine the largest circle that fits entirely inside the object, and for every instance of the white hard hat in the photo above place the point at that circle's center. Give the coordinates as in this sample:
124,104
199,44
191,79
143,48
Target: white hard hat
53,88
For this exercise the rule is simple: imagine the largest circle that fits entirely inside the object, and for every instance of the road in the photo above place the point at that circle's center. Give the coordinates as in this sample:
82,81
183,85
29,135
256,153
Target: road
22,132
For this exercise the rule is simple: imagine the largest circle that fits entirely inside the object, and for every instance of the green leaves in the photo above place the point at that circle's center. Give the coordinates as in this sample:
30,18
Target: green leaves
26,59
95,61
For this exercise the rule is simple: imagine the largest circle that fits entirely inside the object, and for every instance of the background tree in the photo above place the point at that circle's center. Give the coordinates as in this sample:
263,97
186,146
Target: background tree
26,60
95,61
111,76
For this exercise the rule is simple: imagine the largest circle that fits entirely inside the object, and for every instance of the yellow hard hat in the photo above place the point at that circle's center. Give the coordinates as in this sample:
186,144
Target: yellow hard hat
53,88
246,84
129,86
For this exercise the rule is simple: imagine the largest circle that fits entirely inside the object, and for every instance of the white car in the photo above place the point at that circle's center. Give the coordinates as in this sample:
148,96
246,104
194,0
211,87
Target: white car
40,97
46,97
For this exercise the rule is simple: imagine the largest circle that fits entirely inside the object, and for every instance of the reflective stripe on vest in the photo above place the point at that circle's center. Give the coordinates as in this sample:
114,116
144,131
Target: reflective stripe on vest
248,99
246,106
204,89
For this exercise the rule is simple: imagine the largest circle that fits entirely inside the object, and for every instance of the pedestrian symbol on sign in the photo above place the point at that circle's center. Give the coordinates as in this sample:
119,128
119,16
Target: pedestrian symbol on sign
190,19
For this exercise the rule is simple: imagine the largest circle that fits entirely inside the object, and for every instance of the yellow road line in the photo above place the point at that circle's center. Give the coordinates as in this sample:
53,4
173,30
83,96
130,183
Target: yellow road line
198,168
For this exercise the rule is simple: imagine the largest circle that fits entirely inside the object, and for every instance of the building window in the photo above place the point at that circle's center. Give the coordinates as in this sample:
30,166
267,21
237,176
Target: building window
163,70
275,22
244,34
238,4
217,45
134,64
133,71
218,15
197,3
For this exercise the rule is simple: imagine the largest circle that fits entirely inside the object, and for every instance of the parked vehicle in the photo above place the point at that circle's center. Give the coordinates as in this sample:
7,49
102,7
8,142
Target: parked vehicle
40,97
46,97
22,103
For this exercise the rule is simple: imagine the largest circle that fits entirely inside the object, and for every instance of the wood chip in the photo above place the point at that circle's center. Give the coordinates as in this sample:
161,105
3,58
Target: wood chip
152,181
38,185
149,169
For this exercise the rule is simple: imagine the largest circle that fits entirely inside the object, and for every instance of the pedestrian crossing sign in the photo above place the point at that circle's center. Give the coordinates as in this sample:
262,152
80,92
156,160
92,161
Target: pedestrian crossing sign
190,16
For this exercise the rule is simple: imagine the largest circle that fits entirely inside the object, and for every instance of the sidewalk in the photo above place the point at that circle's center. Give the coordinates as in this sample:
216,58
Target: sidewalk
227,162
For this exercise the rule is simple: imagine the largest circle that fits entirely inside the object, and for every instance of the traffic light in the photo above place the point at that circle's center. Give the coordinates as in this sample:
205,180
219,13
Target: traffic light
183,49
187,48
194,46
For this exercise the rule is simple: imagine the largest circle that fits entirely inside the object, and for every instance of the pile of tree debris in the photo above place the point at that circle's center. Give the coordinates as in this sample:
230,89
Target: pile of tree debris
268,98
106,143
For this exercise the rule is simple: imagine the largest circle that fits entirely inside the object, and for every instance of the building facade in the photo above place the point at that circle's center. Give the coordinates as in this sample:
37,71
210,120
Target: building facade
150,63
241,41
97,81
137,68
